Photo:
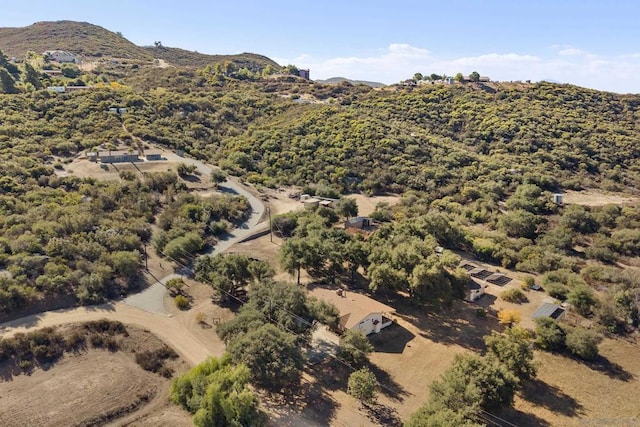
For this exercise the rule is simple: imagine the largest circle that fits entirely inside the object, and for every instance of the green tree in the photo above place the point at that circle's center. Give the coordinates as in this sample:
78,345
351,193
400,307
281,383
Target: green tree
347,207
226,273
474,382
283,304
300,252
519,223
417,77
474,76
30,75
549,335
272,355
513,349
355,347
582,299
363,385
7,84
218,394
459,77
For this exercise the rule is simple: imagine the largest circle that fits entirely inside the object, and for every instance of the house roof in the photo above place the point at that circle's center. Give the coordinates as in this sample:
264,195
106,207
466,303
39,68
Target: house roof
473,285
353,306
357,220
548,310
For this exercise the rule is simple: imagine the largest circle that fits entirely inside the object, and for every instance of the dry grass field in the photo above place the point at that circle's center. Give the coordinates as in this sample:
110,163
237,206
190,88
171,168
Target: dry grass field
92,387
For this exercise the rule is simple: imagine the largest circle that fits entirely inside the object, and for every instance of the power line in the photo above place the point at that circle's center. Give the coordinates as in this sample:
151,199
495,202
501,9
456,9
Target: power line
484,415
295,317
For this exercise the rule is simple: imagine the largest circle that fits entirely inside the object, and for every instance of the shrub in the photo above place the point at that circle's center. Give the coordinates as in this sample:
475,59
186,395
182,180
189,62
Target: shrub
201,318
556,290
175,286
108,327
509,317
528,282
96,340
181,302
514,295
583,343
25,365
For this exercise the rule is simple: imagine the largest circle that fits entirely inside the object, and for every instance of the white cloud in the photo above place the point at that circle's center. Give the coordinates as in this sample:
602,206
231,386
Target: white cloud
400,61
571,51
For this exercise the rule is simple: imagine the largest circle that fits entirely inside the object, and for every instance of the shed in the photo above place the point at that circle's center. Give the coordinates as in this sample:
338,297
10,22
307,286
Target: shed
474,291
554,311
153,156
311,203
359,222
358,312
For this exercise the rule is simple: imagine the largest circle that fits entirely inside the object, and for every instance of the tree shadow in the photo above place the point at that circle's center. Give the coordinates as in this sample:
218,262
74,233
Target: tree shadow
388,386
460,324
309,400
550,397
610,369
520,419
383,415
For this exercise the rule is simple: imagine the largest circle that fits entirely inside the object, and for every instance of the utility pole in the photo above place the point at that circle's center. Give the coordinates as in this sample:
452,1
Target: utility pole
270,225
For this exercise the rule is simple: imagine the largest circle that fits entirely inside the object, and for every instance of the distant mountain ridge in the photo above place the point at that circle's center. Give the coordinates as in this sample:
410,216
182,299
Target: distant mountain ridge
337,80
92,41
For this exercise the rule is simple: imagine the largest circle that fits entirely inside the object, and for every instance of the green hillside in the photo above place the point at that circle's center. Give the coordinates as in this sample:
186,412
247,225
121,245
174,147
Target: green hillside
80,38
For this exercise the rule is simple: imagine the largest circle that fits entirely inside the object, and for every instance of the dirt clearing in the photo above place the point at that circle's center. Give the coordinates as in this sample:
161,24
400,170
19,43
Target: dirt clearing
596,198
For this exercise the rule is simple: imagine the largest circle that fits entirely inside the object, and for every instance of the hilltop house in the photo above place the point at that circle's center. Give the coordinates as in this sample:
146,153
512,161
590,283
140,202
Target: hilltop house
358,312
60,56
304,74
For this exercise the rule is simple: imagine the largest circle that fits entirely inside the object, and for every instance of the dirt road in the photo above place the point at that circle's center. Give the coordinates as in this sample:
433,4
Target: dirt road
192,349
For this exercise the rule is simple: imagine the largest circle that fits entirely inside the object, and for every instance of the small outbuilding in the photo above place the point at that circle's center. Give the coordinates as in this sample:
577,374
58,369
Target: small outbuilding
474,291
359,222
153,156
358,312
553,311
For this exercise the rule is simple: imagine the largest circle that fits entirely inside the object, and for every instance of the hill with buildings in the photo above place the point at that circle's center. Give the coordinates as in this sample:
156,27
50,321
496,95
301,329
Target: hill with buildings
85,41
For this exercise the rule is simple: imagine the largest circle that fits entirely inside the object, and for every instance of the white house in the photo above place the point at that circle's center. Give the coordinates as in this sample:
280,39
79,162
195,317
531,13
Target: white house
474,290
60,56
358,312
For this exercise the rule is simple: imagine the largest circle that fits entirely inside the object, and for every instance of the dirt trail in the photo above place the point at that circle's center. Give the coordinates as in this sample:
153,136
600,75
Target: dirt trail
192,349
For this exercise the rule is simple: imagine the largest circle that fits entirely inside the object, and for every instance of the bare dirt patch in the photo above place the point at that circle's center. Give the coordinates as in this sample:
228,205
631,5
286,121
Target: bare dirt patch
596,198
367,204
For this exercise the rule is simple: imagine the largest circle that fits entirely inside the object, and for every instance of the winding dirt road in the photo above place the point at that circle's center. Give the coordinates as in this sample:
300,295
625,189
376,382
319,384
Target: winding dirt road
192,349
172,332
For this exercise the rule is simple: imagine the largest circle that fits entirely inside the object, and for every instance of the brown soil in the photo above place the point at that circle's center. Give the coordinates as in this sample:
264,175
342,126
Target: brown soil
91,387
596,198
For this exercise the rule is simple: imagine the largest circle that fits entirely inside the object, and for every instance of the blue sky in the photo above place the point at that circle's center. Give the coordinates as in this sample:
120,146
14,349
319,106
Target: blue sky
590,43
